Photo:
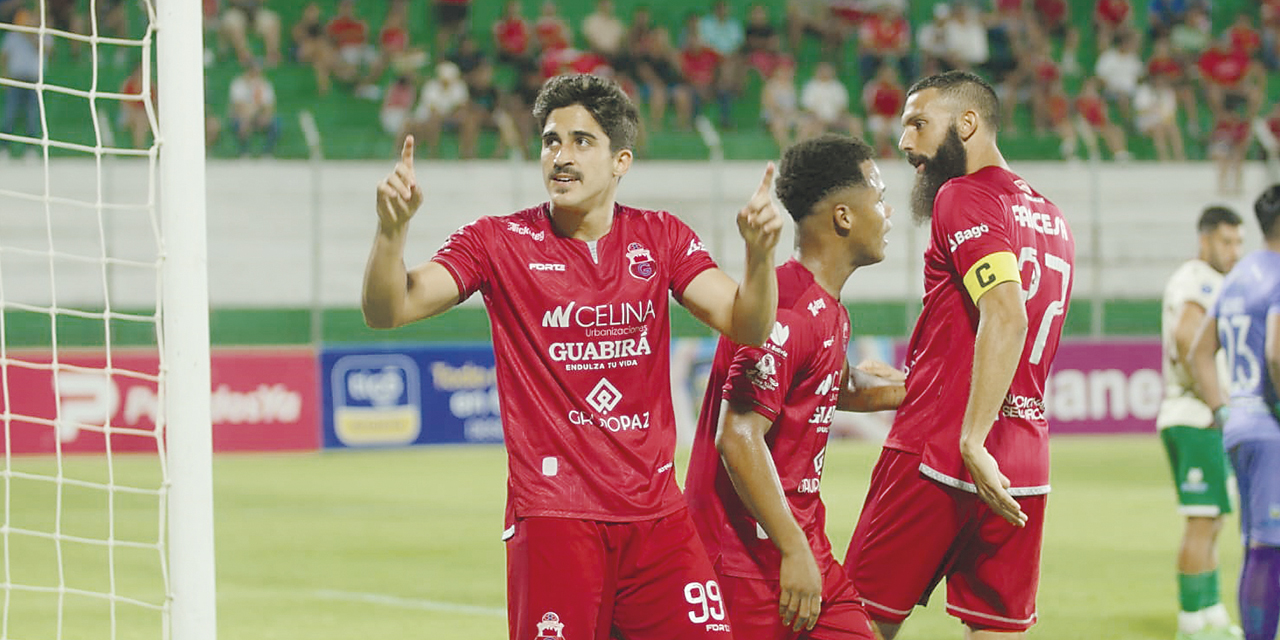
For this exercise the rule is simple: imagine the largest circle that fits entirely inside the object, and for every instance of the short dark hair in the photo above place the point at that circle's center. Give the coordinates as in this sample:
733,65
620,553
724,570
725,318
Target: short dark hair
814,168
1267,208
1213,217
970,89
600,96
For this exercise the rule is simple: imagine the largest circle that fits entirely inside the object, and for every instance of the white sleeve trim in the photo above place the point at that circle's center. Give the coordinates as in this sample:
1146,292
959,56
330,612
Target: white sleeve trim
957,483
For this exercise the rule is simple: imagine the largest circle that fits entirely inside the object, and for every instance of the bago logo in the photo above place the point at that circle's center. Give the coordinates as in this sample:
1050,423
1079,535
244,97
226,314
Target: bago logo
376,400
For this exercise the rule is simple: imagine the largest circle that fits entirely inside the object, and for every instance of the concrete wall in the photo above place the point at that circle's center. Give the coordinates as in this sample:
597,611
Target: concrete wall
261,212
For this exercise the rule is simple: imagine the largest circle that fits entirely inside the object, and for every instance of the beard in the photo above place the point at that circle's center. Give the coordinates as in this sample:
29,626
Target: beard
948,162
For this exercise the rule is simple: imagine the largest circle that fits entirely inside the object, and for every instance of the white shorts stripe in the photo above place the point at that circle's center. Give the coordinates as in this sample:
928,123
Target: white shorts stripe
957,483
986,616
877,605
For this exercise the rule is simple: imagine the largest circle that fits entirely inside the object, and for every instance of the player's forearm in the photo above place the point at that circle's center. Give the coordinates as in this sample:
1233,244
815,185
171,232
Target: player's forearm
866,392
755,306
750,467
1204,372
1002,332
385,280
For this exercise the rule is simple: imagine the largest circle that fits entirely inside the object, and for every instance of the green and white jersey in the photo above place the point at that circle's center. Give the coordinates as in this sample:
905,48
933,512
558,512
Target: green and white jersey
1195,281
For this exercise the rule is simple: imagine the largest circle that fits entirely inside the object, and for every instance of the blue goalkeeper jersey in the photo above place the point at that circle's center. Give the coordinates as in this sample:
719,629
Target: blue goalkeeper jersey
1249,294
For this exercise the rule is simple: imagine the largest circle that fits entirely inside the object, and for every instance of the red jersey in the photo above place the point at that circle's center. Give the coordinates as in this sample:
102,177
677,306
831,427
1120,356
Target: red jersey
581,337
1051,12
346,31
884,99
1112,12
988,227
512,36
1008,6
394,39
882,34
1225,68
1245,39
1231,131
1093,110
794,381
552,32
699,65
1164,65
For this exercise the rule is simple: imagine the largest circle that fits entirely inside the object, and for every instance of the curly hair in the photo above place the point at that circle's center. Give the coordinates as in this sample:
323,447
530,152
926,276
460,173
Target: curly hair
814,168
600,96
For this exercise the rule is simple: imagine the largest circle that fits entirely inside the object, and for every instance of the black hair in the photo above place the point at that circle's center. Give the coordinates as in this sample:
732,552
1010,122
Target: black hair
1213,217
600,96
814,168
1267,208
971,90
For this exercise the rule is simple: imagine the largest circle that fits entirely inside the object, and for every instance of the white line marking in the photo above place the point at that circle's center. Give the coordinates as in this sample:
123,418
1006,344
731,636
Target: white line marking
410,603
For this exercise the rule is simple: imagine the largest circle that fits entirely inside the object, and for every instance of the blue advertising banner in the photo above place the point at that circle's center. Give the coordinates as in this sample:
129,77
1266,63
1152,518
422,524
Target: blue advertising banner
396,395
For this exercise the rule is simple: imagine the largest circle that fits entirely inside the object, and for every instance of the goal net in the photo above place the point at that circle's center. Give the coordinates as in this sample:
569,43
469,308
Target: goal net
106,495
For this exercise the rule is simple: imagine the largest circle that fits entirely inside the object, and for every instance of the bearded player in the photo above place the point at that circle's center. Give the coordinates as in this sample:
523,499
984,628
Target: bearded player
599,540
960,487
1245,323
758,452
1186,427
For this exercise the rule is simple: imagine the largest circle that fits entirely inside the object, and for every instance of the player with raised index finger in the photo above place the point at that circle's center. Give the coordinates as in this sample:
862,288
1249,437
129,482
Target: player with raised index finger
599,540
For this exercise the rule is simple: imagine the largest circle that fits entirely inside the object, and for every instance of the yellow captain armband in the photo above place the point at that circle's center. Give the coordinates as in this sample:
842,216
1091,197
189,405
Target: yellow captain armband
990,271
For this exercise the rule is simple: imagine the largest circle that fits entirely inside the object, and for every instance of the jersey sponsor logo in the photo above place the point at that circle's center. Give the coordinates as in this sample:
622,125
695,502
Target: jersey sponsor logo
958,238
765,374
640,262
816,306
633,422
1025,407
604,397
1194,482
1039,222
826,344
545,266
515,227
617,314
550,628
593,353
695,246
779,334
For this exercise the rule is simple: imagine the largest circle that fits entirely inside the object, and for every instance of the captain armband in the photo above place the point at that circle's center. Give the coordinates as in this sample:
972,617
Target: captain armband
990,271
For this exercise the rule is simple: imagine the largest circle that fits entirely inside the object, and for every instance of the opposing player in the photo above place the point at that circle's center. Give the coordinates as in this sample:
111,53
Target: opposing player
758,453
1245,323
599,540
959,491
1185,424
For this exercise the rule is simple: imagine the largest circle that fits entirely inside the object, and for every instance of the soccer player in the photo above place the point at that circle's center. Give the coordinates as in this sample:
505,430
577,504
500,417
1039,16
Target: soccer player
960,487
1245,322
599,540
762,434
1185,424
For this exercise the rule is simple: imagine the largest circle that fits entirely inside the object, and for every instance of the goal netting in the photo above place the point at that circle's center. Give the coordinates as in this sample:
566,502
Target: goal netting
106,496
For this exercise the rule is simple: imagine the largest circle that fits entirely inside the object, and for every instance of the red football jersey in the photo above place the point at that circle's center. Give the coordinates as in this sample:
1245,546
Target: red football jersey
581,336
988,227
794,381
1226,68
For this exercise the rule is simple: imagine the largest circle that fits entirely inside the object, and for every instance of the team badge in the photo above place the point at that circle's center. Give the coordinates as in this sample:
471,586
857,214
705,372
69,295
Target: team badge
765,374
550,628
640,261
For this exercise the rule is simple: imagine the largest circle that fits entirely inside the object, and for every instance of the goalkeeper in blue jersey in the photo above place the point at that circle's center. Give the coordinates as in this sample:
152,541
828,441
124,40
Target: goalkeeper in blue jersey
1245,323
1186,428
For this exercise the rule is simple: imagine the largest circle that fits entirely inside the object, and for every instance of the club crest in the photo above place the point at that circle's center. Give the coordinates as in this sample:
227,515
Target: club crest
550,628
640,261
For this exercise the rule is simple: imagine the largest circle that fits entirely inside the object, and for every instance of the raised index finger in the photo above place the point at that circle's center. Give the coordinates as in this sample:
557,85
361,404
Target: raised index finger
406,153
765,183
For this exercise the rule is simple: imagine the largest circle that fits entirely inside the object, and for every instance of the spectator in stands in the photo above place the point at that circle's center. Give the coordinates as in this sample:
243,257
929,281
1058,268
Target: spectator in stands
780,104
1070,63
966,39
486,109
450,21
1267,130
1164,63
1227,146
658,70
1110,18
397,103
1271,34
253,109
1118,68
62,15
931,41
1057,108
1231,79
1244,37
350,37
812,17
884,37
824,105
1045,77
239,16
1007,67
1162,15
1155,105
469,58
311,46
395,50
513,37
883,99
1192,35
1053,17
1094,121
604,33
133,113
551,30
698,64
444,103
762,46
20,59
724,33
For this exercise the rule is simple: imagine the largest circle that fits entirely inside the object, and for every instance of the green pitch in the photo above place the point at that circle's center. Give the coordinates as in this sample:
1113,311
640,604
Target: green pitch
405,544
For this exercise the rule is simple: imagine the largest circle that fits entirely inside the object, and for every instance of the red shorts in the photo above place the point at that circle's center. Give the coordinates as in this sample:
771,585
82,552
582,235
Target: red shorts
913,532
587,580
753,607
